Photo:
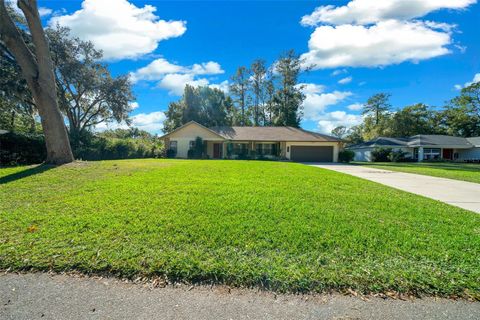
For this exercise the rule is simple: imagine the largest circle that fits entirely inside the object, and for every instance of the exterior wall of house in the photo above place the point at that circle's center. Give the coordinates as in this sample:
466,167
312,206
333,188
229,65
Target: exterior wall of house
210,144
335,145
365,154
283,150
252,146
468,154
190,133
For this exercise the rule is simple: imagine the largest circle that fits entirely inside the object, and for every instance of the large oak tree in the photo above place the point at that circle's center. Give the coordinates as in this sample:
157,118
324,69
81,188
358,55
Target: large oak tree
37,69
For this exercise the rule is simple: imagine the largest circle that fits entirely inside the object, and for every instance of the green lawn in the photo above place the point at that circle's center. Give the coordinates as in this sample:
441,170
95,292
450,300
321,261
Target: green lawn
281,226
458,171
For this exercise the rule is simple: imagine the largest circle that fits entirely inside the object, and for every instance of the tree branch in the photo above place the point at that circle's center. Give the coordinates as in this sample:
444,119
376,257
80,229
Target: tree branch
13,40
44,60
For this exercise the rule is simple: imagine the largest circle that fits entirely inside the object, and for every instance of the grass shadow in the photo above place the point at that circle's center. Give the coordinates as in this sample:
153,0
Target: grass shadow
25,173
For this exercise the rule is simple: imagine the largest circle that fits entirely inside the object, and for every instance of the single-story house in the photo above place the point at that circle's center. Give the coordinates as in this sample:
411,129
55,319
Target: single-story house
266,142
423,147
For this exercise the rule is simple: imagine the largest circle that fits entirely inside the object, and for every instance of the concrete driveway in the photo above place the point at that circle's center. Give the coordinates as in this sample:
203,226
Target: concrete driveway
462,194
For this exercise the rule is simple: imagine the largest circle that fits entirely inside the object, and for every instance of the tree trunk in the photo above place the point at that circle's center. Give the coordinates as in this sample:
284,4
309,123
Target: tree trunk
56,137
38,72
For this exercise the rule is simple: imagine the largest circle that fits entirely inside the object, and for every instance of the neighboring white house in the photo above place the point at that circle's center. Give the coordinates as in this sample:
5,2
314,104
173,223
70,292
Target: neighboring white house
423,147
253,142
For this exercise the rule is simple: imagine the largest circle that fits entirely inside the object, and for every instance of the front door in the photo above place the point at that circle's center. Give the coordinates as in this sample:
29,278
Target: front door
217,150
448,154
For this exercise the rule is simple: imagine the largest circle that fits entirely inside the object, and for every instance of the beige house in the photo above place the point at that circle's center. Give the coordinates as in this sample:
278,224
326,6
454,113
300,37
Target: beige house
254,142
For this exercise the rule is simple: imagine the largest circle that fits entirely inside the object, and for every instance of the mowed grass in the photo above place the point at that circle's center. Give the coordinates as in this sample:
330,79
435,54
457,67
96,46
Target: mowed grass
280,226
457,171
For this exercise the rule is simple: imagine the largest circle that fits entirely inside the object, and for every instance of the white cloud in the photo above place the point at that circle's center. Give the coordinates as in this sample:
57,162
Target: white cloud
476,79
339,72
311,88
329,121
44,11
176,82
151,122
373,11
119,28
316,100
134,105
355,107
345,80
174,77
210,67
224,86
372,33
385,43
155,70
110,126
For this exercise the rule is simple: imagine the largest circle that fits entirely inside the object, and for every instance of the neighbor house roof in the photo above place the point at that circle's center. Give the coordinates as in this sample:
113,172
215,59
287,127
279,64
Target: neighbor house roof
421,140
383,142
272,134
474,141
438,140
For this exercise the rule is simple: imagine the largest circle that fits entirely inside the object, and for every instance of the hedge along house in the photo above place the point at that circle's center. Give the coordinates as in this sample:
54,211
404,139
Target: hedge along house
254,142
423,147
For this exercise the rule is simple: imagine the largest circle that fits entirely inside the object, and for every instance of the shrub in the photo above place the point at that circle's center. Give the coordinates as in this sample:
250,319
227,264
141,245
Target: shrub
229,150
191,153
102,148
171,153
199,149
397,156
346,156
381,155
22,148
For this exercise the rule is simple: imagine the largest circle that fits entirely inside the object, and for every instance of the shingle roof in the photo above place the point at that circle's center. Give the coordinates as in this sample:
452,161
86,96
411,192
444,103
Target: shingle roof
440,140
421,140
474,141
271,134
382,142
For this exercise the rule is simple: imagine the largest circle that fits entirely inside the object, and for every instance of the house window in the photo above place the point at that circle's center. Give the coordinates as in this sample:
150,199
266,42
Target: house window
240,148
266,149
191,144
431,154
173,145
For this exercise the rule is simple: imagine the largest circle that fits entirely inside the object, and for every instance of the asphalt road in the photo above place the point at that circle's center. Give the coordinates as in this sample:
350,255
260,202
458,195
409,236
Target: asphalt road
43,296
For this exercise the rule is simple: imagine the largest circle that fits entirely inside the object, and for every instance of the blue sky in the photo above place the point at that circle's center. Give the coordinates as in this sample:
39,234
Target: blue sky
417,53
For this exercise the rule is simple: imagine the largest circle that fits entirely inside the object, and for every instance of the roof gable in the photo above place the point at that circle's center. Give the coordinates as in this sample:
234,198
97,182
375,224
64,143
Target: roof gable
187,131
